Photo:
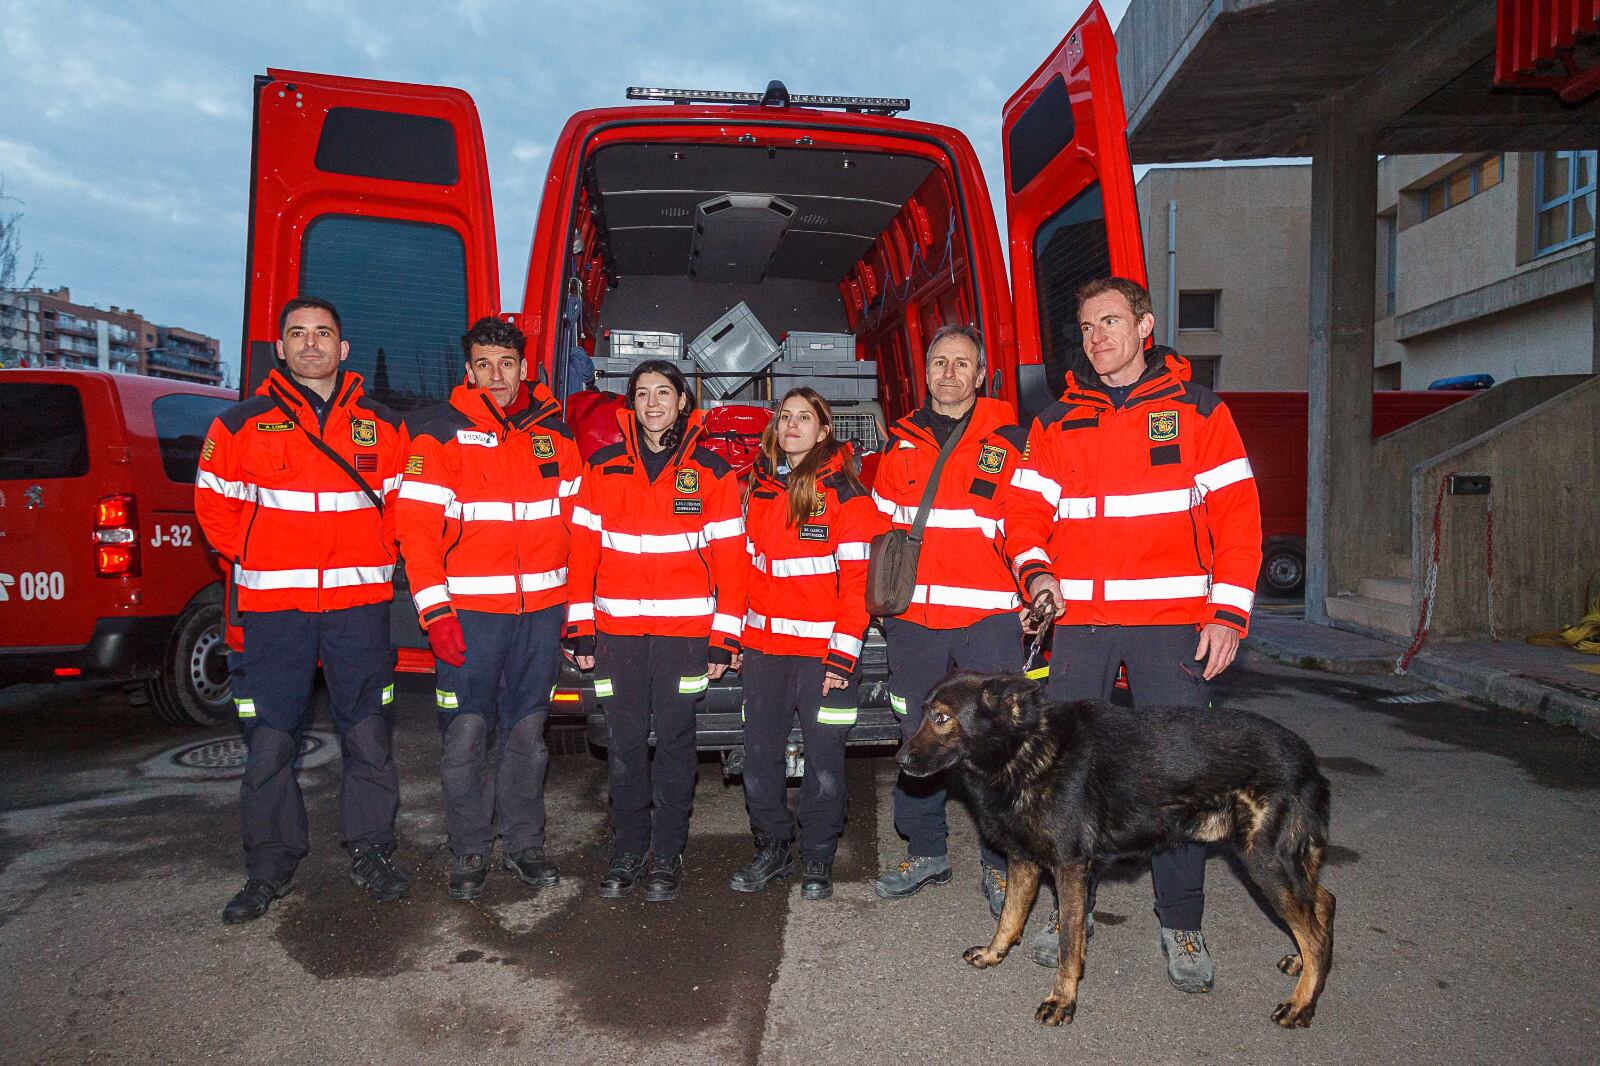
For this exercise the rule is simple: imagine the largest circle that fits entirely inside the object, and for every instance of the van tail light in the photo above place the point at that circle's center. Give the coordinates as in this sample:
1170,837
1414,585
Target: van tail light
116,536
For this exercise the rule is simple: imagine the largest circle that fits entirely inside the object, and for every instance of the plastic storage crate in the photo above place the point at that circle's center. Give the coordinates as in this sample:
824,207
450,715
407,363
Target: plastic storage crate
638,344
854,381
732,350
817,347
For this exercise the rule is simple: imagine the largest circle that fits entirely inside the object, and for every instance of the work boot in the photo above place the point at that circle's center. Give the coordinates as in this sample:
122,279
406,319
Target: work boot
818,880
909,877
994,890
773,861
1045,947
253,899
664,878
374,869
623,874
1188,961
532,868
467,876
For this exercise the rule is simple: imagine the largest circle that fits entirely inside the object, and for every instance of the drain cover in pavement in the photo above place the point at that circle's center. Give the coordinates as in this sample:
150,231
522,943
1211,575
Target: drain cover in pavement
1410,697
225,757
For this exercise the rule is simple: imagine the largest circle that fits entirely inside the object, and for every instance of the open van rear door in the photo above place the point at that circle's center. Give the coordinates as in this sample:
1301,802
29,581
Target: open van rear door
373,195
1071,214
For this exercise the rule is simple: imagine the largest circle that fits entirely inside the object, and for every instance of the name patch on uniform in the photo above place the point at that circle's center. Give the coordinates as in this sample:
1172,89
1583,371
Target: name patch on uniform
686,506
1163,425
991,459
367,462
810,532
688,480
543,447
414,465
364,431
207,448
481,439
274,427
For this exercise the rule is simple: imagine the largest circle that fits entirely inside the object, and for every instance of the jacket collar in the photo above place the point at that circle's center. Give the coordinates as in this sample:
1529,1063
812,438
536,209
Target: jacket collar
480,407
767,477
291,395
985,417
1165,372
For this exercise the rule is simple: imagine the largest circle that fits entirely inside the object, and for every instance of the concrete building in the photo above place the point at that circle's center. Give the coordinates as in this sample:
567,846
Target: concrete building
184,355
1229,247
53,330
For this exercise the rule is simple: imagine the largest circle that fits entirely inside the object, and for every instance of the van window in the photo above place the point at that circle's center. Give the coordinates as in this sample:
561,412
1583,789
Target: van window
181,424
42,434
387,144
1068,250
401,291
1040,133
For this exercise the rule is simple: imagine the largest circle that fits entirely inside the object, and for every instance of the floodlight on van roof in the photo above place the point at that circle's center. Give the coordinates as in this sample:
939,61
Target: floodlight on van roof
775,96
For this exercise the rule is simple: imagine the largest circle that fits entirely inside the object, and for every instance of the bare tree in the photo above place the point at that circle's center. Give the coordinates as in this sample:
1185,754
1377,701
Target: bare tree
13,308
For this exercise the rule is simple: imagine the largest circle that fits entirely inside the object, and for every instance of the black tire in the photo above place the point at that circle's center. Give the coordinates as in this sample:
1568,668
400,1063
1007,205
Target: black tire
1283,568
566,739
193,687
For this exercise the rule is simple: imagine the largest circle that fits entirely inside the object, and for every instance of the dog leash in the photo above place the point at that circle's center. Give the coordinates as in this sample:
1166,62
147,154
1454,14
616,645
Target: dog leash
1042,612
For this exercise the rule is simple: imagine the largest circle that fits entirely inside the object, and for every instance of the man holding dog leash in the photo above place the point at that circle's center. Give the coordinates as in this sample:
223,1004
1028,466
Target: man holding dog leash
1137,529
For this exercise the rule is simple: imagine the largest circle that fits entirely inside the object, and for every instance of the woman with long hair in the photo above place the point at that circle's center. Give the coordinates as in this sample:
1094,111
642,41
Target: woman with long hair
809,522
657,584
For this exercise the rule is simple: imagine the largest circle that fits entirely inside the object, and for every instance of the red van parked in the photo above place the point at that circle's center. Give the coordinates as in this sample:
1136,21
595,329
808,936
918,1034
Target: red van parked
103,570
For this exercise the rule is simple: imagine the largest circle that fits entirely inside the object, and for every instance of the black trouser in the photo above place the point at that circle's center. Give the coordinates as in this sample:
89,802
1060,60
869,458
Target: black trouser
642,682
272,679
513,661
776,688
1162,672
919,658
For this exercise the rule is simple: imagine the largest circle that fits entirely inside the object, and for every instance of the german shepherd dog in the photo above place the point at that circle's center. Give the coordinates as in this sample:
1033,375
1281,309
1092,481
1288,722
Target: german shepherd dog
1060,786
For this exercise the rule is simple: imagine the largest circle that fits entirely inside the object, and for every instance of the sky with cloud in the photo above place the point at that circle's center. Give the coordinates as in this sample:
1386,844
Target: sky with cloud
125,127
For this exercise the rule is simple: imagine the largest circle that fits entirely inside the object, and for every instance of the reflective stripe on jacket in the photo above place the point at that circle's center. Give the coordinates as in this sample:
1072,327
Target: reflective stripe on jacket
297,531
484,505
1147,513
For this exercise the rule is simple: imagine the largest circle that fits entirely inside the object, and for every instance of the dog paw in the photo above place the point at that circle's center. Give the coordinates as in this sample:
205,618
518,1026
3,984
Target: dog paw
1055,1012
1292,1017
1291,964
982,958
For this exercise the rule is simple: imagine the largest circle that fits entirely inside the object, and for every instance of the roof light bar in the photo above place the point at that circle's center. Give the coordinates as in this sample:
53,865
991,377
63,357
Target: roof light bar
872,105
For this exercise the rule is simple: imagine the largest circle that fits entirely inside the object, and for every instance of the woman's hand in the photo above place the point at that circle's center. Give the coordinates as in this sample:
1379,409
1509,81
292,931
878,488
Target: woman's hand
831,681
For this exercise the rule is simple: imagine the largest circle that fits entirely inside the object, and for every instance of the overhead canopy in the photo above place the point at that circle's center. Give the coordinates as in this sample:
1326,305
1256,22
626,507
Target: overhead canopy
1247,79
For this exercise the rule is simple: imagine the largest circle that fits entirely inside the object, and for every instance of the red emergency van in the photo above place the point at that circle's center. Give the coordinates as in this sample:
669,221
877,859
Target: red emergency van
103,571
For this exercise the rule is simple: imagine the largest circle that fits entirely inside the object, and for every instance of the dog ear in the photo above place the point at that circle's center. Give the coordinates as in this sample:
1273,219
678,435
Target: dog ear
1008,695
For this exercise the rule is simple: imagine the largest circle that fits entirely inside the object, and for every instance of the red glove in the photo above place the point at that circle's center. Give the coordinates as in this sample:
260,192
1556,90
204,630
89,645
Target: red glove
447,641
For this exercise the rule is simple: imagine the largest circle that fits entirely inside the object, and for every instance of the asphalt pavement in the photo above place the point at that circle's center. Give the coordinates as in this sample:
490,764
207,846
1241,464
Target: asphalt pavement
1464,856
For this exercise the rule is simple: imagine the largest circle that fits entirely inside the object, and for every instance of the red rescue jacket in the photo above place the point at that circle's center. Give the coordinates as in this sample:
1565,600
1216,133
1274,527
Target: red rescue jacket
1147,514
962,571
663,557
484,505
808,581
296,530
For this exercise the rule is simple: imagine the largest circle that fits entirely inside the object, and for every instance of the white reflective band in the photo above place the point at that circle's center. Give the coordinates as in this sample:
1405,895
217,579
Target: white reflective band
1233,596
246,708
1033,481
651,543
1032,555
540,582
1222,476
1077,589
342,501
686,608
906,444
582,516
1159,588
233,490
809,566
485,511
390,484
789,627
1139,504
444,699
727,623
853,551
537,509
751,618
688,686
728,527
426,492
580,612
845,643
278,579
602,687
345,576
570,488
897,703
492,585
955,596
1076,507
432,596
836,715
882,504
946,518
287,499
388,694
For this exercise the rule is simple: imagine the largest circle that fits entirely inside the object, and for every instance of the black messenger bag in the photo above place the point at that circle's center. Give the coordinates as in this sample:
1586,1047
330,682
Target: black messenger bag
892,567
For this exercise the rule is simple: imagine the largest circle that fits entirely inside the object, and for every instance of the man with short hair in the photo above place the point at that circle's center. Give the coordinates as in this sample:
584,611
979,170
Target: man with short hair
1138,525
295,491
484,512
962,614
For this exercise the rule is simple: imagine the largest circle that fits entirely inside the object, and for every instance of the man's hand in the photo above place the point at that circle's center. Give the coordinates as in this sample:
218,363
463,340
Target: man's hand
1218,645
716,670
1045,604
831,681
585,662
738,662
447,641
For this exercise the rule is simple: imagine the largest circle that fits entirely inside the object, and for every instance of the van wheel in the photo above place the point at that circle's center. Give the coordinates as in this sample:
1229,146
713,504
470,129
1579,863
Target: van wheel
566,739
1283,568
194,687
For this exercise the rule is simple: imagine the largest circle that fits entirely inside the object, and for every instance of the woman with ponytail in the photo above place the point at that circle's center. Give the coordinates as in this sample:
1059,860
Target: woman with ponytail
809,522
657,584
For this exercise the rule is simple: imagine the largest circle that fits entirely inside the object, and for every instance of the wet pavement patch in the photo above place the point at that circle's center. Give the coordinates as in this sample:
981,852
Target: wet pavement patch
222,757
1344,764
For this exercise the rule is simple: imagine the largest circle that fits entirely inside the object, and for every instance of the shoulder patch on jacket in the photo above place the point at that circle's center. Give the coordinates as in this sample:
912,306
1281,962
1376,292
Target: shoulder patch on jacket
379,411
234,418
1015,436
608,453
440,423
715,464
1204,400
556,426
844,488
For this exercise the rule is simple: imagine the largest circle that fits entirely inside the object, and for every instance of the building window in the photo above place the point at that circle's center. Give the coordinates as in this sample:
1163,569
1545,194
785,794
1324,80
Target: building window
1563,199
1203,369
1391,233
1198,310
1463,183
